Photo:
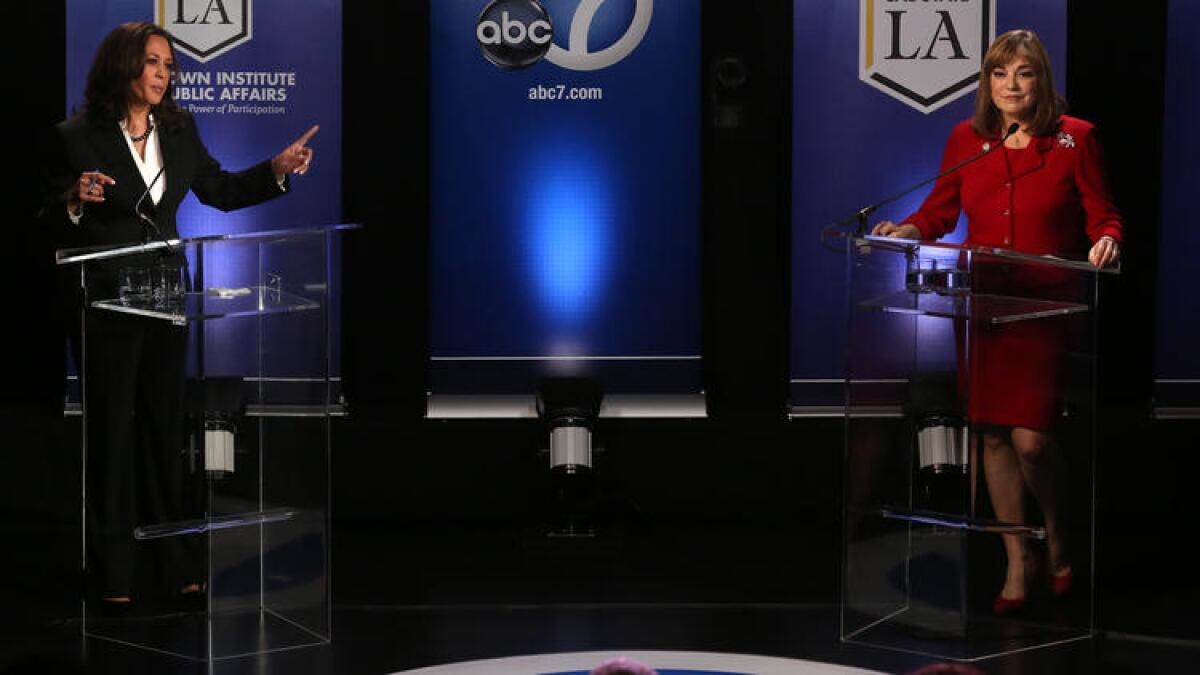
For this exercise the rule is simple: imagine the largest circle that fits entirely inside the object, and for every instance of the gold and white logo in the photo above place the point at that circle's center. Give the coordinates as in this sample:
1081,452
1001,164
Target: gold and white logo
206,29
925,54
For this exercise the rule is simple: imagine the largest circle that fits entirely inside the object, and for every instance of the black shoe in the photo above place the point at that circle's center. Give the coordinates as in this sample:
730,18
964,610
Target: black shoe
192,598
110,607
193,589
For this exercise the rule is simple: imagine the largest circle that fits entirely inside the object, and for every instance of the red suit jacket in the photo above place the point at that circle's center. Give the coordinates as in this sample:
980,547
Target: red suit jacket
1039,199
1042,199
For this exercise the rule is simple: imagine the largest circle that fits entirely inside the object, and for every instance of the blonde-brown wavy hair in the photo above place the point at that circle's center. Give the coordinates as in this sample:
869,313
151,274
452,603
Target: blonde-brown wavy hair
1047,104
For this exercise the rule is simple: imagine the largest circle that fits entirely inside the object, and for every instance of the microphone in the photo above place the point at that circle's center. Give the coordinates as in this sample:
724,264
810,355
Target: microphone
861,215
150,225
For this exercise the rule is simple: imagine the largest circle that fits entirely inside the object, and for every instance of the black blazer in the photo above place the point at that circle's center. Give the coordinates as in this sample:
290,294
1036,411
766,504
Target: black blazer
82,145
85,146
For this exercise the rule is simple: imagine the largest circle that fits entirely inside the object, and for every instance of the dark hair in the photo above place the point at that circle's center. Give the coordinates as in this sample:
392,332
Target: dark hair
1047,104
120,60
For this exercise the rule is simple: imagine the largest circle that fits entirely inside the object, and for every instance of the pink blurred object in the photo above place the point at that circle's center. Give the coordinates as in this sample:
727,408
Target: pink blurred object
623,665
948,669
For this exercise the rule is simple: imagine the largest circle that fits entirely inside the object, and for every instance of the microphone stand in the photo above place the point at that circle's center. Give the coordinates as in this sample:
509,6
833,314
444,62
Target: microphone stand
860,216
150,228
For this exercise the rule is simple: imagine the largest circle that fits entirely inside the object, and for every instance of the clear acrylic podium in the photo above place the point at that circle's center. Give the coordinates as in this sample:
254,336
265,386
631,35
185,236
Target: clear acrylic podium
944,343
255,309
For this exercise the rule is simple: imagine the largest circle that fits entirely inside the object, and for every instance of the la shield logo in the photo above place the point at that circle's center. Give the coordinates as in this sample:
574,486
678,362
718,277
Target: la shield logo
924,54
206,29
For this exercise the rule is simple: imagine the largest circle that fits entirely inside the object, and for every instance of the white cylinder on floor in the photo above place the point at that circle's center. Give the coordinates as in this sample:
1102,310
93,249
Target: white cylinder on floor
570,446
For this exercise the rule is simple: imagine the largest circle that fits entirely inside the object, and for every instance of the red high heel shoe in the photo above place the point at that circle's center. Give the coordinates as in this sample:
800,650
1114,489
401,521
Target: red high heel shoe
1003,606
1060,583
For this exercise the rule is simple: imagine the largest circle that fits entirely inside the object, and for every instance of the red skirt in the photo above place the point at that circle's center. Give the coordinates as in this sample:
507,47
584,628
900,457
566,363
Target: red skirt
1016,372
1014,376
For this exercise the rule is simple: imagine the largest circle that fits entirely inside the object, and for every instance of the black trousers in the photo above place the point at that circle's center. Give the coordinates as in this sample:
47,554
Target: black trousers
133,378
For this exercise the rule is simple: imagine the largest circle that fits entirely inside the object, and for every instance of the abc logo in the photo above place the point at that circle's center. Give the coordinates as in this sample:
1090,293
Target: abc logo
514,33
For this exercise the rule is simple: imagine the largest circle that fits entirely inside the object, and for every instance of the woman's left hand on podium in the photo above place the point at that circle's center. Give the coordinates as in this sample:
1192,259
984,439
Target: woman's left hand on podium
1105,252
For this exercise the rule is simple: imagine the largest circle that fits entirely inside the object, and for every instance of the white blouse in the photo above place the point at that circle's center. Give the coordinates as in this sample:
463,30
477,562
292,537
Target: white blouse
152,163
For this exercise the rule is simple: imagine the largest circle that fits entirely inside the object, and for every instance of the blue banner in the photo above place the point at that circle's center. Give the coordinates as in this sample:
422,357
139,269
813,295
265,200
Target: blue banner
1178,364
565,200
255,76
878,87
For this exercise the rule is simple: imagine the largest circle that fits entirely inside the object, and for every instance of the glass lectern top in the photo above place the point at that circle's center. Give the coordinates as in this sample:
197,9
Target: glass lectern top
70,256
836,235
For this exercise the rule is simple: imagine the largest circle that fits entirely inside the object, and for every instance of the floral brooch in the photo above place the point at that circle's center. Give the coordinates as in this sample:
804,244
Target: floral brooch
1066,140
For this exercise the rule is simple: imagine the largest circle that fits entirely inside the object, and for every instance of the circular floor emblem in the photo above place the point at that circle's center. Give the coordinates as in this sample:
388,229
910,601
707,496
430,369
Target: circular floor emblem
577,57
665,663
514,33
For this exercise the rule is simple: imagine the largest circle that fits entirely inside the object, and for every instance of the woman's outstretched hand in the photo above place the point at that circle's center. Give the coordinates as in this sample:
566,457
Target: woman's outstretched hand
887,228
295,158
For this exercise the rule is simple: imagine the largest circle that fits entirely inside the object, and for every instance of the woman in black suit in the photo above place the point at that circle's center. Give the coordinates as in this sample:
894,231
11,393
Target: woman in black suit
117,176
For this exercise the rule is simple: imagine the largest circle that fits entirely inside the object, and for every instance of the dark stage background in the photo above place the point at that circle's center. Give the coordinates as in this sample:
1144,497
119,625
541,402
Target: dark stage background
740,508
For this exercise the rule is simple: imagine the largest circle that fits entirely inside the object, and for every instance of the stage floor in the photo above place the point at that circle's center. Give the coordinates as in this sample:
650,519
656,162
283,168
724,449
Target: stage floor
718,538
385,640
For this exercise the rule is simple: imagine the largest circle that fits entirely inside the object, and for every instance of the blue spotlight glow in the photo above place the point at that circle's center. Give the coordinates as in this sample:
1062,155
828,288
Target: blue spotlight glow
569,231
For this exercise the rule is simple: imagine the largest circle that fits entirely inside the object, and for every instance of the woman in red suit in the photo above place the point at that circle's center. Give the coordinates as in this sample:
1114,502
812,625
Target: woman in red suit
1040,192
